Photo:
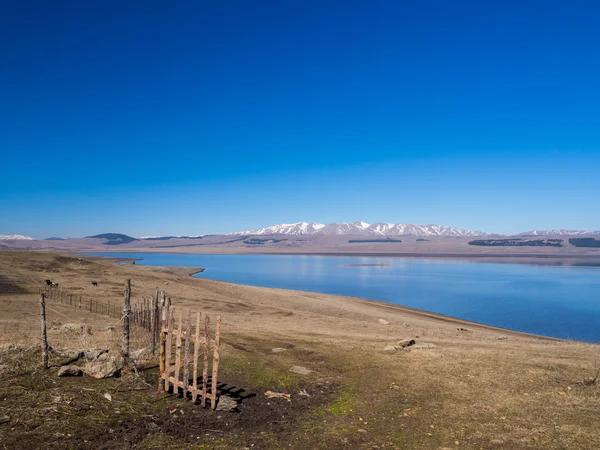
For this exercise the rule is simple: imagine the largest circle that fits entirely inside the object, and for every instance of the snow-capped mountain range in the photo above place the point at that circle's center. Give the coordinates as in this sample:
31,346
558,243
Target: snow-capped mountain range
358,228
392,229
558,233
14,237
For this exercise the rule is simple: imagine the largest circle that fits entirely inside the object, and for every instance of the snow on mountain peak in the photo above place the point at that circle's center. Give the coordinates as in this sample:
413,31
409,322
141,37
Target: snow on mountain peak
15,237
359,227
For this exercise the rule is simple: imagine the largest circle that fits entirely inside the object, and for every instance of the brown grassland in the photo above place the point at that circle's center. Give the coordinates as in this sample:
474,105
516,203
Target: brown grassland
471,386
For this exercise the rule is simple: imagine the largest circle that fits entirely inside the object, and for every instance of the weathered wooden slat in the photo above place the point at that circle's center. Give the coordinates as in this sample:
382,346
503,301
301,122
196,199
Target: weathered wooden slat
126,312
186,359
196,354
215,369
178,349
161,347
189,389
43,327
205,362
168,348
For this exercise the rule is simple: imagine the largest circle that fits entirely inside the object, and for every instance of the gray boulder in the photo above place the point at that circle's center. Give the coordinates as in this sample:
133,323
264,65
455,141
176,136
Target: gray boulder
104,366
69,371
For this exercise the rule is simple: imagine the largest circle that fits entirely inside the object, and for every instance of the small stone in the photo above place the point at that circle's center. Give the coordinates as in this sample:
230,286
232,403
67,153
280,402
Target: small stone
360,430
278,350
383,321
389,349
70,371
226,403
4,419
423,345
301,370
406,343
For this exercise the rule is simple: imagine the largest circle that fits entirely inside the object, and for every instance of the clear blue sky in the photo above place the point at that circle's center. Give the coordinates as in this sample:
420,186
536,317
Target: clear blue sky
154,118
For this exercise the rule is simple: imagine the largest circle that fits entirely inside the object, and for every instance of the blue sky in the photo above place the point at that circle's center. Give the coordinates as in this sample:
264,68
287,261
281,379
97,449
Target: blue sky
151,118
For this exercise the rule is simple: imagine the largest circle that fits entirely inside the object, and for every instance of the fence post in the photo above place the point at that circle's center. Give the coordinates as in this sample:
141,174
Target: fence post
161,348
44,335
196,351
178,354
126,310
168,344
216,359
156,324
205,362
186,353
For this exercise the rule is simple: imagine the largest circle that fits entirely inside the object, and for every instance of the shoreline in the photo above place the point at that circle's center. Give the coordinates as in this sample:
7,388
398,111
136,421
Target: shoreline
537,259
369,302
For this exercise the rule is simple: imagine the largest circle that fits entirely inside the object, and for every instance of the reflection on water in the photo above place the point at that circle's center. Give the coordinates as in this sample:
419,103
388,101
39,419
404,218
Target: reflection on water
559,301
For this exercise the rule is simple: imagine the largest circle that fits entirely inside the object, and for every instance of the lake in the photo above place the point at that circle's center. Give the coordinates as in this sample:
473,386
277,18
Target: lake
557,301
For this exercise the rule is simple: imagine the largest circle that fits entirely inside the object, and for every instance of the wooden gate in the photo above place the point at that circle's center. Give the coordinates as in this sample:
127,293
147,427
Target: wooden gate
177,374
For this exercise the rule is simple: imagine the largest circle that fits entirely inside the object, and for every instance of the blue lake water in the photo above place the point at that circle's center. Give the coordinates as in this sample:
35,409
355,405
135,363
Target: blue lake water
558,301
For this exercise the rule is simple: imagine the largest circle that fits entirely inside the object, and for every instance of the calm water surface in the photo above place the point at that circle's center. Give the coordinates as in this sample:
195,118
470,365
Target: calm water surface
554,301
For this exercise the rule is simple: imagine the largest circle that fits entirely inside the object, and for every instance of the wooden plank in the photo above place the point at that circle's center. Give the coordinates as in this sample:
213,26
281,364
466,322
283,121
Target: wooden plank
205,362
126,312
44,335
161,360
186,359
215,369
196,351
178,350
161,347
189,389
168,348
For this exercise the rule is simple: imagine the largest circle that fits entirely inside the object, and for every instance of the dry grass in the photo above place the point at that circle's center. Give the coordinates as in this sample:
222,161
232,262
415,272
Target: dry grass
472,390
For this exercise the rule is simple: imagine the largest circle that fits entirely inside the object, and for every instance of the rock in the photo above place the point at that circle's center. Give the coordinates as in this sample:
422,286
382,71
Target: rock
406,343
226,403
105,366
69,371
278,350
383,321
502,338
301,370
72,327
423,345
69,353
389,349
4,419
94,353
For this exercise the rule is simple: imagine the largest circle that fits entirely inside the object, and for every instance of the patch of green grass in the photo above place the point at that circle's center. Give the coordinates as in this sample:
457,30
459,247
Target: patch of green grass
261,374
343,403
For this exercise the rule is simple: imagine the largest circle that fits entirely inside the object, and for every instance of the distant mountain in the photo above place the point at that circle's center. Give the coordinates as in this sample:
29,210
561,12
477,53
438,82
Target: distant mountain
113,238
166,238
54,239
558,233
15,237
361,228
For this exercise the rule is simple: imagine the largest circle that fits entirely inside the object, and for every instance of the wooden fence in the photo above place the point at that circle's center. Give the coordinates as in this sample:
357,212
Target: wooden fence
83,302
158,317
177,375
144,312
